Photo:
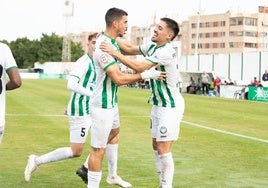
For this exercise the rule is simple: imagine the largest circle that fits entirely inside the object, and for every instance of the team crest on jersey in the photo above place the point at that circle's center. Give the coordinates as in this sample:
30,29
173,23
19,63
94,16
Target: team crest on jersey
104,59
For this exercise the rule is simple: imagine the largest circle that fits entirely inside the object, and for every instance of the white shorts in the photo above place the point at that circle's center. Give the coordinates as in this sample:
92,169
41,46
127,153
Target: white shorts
104,120
79,126
165,122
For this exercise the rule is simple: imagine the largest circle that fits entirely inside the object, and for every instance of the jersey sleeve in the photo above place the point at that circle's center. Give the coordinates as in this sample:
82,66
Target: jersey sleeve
144,48
8,59
163,56
79,69
105,60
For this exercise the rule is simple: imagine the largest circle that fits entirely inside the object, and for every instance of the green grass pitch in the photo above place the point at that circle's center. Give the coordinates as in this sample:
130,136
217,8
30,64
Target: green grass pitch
223,142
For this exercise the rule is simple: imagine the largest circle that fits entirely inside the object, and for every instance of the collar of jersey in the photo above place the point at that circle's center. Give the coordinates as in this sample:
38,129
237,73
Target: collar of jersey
113,41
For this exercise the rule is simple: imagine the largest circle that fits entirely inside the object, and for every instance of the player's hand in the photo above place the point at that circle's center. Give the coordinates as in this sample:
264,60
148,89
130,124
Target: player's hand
108,48
152,73
65,112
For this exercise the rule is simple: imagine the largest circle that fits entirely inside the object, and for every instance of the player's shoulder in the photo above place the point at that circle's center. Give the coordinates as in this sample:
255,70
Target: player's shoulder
82,59
4,46
167,49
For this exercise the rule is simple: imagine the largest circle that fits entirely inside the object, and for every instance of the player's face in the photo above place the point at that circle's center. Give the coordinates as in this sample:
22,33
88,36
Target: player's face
122,26
162,34
91,44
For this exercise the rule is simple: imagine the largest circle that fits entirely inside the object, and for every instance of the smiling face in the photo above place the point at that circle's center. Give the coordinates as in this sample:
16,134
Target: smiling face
162,34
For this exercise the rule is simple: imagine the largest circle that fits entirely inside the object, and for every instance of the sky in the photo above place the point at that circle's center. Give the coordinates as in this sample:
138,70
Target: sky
31,18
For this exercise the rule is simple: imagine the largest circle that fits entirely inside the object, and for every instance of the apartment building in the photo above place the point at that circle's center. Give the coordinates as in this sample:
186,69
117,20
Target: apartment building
230,32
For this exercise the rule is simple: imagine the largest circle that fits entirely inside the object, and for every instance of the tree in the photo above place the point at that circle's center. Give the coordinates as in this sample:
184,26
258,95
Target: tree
76,51
50,48
25,52
47,49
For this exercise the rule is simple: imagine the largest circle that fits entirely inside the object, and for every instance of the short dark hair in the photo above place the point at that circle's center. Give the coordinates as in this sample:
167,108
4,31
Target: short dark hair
173,25
114,14
91,36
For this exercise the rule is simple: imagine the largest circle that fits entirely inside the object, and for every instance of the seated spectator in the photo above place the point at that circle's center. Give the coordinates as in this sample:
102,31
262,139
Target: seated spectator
256,82
191,87
198,85
212,84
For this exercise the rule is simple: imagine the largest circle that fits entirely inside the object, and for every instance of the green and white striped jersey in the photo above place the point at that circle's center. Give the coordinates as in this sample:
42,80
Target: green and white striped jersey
105,92
84,69
164,93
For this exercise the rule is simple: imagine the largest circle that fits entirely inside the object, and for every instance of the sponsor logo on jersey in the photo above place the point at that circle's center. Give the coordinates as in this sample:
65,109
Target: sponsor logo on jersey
104,59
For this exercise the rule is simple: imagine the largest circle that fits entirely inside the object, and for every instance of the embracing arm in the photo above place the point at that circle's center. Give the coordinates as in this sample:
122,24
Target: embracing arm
120,78
137,65
127,48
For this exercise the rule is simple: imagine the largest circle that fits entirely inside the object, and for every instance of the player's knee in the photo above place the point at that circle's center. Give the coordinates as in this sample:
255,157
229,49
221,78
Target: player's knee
77,153
77,150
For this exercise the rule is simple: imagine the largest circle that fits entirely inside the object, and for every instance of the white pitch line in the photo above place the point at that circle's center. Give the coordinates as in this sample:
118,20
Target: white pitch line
225,132
38,115
186,122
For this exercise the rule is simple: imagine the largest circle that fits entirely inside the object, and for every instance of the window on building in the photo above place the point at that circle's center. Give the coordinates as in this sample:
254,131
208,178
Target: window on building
231,44
250,34
231,33
215,24
222,34
193,36
236,21
265,45
207,35
207,45
240,21
222,45
264,34
222,23
215,34
214,45
193,46
250,45
193,25
207,24
239,33
251,21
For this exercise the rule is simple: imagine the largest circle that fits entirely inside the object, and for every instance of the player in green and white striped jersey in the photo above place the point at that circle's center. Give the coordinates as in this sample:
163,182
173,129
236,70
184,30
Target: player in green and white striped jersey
105,115
81,82
168,103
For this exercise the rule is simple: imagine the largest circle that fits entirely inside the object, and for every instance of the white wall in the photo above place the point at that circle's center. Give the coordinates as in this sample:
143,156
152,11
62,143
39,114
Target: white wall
241,67
55,67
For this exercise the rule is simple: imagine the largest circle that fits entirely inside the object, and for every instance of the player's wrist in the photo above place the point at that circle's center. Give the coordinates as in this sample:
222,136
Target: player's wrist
145,75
